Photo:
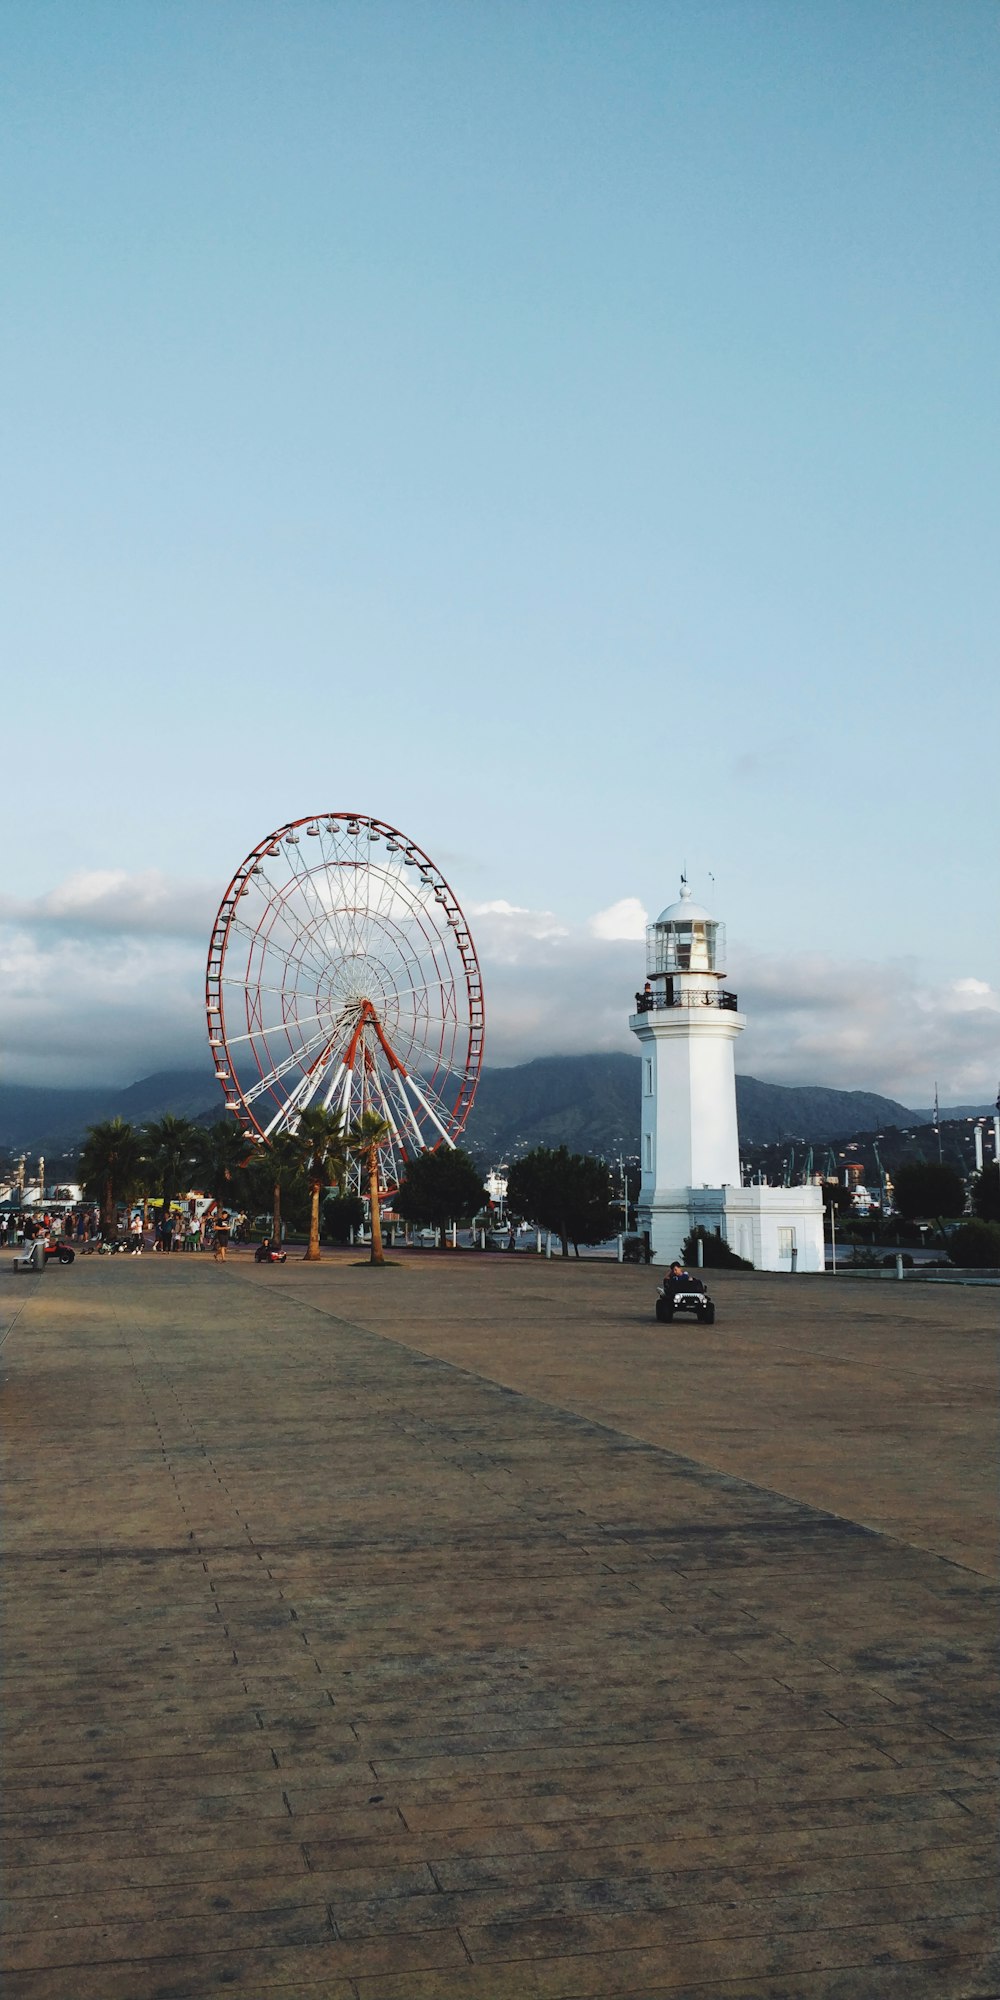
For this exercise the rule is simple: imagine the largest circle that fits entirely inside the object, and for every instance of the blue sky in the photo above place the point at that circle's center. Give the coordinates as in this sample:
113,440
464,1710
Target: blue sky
569,431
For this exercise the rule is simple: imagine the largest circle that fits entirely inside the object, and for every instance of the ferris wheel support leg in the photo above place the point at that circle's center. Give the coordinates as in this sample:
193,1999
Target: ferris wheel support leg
415,1087
291,1062
288,1117
305,1090
396,1142
286,1120
379,1087
408,1108
337,1084
344,1106
312,1084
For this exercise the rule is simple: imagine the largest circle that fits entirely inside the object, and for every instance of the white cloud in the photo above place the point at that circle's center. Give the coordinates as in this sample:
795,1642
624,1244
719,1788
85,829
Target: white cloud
869,1026
102,980
626,920
506,930
98,1009
110,900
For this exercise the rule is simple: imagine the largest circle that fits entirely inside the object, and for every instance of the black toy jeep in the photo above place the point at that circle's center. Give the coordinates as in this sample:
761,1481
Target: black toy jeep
684,1294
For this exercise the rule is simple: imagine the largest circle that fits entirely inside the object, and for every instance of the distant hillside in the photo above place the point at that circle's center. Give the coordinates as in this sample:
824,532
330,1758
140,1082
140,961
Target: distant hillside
770,1112
951,1111
589,1103
53,1121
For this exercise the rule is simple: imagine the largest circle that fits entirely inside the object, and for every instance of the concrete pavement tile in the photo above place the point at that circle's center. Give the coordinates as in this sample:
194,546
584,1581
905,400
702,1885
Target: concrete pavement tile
100,1943
114,1946
101,1878
646,1972
39,1907
292,1972
819,1860
642,1909
659,1923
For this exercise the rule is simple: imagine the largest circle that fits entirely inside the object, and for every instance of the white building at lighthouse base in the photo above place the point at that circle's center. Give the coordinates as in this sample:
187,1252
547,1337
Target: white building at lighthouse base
775,1229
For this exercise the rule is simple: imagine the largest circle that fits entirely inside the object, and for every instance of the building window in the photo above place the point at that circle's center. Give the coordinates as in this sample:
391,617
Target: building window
649,1149
649,1079
786,1242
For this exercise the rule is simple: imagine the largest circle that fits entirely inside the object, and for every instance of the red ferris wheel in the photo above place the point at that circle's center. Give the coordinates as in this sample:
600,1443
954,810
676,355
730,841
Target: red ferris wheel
342,973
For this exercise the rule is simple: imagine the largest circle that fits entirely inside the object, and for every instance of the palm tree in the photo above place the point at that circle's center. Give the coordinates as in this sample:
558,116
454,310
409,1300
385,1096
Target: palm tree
224,1151
172,1148
110,1166
366,1135
276,1169
322,1156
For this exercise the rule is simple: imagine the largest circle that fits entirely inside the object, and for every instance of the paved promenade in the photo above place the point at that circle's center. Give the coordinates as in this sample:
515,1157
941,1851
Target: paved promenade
456,1633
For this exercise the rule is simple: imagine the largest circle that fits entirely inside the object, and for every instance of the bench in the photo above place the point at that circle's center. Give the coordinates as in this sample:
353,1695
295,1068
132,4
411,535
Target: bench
31,1258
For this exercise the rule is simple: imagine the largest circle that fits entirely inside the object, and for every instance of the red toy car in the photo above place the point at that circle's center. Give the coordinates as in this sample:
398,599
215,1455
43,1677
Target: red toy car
267,1253
55,1247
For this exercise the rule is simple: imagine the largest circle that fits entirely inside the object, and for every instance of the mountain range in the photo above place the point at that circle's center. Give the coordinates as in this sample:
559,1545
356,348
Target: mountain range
589,1103
53,1121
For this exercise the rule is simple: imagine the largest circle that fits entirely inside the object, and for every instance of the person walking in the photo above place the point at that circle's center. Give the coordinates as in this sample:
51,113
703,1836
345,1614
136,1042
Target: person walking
221,1243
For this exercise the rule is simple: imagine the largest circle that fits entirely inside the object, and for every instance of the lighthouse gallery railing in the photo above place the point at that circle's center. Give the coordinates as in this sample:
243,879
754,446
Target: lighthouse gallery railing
657,1003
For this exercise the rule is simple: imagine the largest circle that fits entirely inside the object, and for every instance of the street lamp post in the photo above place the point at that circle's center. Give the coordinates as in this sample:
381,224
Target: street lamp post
621,1165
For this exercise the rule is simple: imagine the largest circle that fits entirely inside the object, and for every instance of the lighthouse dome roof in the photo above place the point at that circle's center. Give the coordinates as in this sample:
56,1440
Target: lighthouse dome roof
685,911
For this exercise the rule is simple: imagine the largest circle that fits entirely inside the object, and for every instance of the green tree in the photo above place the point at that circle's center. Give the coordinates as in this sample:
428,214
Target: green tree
110,1167
716,1253
322,1157
926,1189
172,1150
439,1188
225,1156
366,1135
569,1193
342,1213
986,1194
276,1175
976,1246
839,1197
284,1172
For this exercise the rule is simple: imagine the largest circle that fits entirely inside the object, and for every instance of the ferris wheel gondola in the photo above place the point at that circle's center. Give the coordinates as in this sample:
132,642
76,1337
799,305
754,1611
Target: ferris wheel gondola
342,973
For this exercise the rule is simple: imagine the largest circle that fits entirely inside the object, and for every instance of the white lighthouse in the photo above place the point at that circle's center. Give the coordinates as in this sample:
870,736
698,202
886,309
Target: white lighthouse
686,1022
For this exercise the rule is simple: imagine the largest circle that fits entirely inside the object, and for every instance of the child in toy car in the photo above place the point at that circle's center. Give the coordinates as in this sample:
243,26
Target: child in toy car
680,1292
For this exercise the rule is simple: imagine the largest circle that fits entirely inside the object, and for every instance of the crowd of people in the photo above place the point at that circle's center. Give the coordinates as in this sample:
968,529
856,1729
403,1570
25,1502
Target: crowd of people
164,1230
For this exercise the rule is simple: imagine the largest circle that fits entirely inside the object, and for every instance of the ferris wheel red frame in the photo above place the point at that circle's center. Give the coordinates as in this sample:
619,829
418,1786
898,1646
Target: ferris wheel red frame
341,972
